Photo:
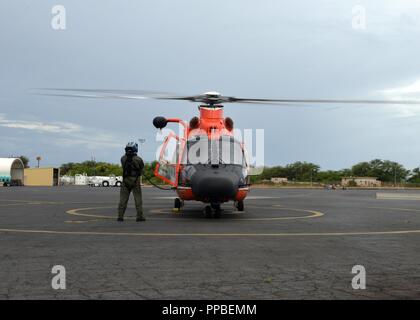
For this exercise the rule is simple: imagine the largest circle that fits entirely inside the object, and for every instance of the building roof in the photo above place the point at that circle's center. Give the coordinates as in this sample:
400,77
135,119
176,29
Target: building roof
370,178
41,168
7,163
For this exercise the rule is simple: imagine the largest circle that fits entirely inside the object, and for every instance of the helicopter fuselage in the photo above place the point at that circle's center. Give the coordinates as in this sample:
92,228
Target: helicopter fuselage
210,163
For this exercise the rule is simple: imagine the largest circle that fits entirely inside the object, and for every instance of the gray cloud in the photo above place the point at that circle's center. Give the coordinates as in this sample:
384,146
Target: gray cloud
271,48
64,134
54,127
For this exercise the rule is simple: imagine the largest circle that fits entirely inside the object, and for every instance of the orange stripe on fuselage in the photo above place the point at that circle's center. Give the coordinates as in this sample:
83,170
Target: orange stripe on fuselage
185,193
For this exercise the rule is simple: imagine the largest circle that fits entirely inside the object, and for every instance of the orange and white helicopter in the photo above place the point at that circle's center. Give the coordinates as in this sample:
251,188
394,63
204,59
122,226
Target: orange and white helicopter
205,162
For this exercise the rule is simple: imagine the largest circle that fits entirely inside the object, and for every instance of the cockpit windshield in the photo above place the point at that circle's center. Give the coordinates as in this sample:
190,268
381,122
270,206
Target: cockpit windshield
226,150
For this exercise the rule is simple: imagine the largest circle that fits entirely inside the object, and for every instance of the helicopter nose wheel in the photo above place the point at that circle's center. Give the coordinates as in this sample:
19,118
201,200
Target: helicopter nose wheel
217,210
208,210
178,204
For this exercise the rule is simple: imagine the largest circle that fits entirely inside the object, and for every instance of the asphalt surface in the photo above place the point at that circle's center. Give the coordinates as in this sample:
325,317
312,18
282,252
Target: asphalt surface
288,244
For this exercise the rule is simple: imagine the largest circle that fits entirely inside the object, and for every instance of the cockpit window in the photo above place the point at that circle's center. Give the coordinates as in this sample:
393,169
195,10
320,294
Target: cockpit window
226,150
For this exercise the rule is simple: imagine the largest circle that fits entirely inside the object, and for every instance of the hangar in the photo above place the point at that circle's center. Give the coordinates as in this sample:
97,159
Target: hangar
11,171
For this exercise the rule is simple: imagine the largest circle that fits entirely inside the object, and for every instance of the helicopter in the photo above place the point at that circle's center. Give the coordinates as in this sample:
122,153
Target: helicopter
208,163
205,162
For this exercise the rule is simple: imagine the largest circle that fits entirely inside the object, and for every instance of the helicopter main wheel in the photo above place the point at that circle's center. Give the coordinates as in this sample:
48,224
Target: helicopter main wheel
207,212
240,205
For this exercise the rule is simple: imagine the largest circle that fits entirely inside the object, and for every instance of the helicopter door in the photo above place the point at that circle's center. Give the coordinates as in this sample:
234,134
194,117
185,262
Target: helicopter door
167,168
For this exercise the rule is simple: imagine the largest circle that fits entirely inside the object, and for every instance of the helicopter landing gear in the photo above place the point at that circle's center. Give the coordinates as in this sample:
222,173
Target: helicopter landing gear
178,204
217,210
217,213
239,205
207,212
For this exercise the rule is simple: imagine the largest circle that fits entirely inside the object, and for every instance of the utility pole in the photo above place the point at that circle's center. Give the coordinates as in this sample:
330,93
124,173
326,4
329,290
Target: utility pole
141,142
312,171
395,175
94,164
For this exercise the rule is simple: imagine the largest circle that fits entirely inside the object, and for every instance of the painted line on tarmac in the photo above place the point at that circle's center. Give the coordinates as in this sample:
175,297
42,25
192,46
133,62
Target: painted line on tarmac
81,221
145,234
13,204
25,202
397,196
396,209
262,235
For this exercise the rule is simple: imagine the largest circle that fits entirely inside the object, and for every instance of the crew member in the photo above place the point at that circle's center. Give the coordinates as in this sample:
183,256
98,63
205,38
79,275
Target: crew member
132,170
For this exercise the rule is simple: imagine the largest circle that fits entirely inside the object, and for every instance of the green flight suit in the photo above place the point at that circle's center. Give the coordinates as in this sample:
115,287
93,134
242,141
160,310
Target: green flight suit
131,182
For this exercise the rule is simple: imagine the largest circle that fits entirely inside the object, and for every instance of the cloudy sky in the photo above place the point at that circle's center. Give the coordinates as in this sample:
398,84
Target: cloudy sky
267,49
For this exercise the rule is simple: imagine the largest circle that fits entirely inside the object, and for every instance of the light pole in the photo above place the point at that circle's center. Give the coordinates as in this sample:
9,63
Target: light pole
141,141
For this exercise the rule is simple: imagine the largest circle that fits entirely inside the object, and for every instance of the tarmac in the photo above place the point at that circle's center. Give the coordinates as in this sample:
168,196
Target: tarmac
287,244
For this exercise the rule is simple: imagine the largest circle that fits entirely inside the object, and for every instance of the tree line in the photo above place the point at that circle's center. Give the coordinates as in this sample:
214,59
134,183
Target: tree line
383,170
94,168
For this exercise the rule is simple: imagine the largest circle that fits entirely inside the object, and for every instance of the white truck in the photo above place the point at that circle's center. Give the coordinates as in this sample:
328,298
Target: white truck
81,179
104,181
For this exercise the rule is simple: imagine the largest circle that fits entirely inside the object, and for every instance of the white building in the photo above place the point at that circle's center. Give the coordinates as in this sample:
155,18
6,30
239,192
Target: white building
360,182
11,171
279,180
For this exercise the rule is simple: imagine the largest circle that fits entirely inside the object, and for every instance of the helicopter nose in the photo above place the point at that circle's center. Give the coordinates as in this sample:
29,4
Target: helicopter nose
214,185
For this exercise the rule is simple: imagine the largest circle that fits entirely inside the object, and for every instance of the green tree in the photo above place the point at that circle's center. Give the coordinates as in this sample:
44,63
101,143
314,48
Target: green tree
330,176
302,171
25,161
149,169
91,168
384,170
362,169
415,175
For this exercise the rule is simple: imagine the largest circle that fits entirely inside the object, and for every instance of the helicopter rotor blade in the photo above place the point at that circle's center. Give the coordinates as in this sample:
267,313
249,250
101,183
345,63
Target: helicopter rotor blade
207,98
324,101
110,94
89,96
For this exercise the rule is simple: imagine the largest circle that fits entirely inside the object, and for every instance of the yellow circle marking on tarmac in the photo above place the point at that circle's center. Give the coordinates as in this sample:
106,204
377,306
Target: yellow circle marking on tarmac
159,234
24,202
312,214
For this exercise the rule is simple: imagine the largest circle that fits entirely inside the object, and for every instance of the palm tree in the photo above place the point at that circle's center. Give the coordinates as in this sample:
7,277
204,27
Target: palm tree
38,159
